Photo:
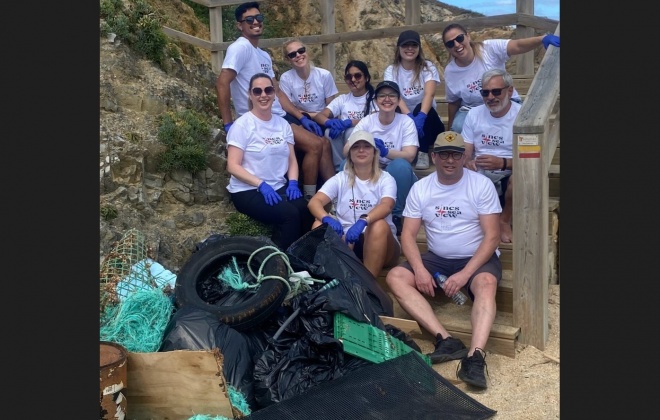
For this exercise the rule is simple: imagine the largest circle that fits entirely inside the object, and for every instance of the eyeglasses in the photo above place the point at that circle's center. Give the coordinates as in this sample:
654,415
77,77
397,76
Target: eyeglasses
495,92
268,89
459,39
250,19
300,51
387,95
348,76
445,155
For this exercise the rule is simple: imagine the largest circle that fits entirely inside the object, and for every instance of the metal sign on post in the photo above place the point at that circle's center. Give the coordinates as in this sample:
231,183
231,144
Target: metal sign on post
528,146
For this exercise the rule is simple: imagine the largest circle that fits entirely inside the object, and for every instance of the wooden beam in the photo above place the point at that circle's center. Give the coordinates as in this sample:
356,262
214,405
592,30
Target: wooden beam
215,19
413,12
328,55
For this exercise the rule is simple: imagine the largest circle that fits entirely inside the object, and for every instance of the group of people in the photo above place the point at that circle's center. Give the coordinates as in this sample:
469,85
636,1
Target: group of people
357,153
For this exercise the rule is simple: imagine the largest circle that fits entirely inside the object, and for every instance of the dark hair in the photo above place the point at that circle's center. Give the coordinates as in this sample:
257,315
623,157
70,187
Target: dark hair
259,76
367,78
243,7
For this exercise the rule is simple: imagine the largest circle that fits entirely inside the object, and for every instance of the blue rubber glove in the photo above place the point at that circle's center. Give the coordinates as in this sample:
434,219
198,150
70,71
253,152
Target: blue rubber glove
550,40
292,191
334,224
338,126
269,194
353,233
419,119
227,126
311,125
381,147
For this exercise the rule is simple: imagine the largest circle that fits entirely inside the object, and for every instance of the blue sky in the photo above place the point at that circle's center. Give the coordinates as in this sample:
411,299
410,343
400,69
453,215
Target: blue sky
546,8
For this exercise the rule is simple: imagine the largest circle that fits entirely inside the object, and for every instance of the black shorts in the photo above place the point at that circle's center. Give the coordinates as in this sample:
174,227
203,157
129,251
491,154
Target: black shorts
291,119
448,266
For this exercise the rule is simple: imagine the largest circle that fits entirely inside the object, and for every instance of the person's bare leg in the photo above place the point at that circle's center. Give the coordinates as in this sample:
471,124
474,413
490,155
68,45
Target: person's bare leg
401,282
378,246
312,147
326,166
506,232
484,288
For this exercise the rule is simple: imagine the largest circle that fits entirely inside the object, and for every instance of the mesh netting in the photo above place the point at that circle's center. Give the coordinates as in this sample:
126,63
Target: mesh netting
126,269
402,388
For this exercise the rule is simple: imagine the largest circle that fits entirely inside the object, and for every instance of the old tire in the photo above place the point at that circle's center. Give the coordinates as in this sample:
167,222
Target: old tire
197,283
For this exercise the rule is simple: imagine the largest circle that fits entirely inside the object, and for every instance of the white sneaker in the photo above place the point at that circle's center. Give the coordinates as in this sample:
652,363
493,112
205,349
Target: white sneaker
422,160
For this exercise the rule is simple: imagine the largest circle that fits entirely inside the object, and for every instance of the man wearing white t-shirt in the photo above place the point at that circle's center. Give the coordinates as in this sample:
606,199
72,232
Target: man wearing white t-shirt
460,212
488,134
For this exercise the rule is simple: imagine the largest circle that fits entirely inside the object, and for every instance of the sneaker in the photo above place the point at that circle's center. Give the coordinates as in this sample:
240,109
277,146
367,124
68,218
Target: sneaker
422,160
398,223
472,369
447,349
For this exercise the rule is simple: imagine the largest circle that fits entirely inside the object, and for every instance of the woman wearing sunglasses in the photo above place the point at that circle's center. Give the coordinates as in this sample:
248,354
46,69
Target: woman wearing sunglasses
364,196
342,113
260,159
310,90
418,78
468,60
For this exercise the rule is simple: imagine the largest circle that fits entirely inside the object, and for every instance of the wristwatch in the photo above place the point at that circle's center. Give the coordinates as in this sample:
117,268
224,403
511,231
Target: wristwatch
365,216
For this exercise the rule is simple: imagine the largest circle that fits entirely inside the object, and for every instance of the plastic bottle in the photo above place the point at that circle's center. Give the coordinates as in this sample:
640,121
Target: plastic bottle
459,297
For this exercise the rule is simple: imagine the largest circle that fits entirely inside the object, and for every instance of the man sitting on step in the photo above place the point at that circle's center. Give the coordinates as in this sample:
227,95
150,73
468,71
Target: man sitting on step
460,211
488,134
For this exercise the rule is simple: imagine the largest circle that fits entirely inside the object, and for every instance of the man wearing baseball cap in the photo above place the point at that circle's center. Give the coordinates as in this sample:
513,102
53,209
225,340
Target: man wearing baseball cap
460,211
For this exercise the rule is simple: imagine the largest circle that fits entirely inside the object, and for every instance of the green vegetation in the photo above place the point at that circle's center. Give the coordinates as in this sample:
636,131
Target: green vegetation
139,26
242,225
109,212
186,135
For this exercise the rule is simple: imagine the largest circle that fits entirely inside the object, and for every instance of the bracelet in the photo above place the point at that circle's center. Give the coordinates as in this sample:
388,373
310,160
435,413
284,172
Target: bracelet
504,164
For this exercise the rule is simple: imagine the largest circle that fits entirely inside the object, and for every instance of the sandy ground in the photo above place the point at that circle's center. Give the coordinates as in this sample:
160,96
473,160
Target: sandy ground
525,387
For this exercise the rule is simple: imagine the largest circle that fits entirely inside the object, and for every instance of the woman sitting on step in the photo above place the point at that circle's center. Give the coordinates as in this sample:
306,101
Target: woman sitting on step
365,196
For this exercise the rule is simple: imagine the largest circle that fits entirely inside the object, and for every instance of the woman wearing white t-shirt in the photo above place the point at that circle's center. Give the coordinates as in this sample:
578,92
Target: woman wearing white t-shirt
259,156
468,60
418,78
364,196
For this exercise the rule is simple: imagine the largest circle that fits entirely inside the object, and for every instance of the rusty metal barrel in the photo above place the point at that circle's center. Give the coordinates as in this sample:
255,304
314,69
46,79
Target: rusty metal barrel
114,374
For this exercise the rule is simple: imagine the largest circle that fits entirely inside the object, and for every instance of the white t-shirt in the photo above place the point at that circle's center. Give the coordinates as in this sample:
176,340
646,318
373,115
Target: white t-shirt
413,94
309,95
359,199
450,213
351,107
265,146
399,133
490,135
464,83
247,60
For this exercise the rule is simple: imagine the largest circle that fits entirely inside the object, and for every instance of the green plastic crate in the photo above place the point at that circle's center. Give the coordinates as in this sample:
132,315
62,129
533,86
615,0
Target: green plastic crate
368,342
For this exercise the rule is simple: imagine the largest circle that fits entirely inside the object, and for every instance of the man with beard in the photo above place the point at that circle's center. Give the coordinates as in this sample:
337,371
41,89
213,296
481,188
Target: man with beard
488,134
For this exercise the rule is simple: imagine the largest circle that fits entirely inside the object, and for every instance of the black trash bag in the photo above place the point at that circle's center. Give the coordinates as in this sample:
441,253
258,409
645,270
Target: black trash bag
323,254
303,351
192,328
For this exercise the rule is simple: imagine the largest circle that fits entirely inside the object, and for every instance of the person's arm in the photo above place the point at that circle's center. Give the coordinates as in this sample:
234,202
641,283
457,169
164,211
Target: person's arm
407,152
429,93
410,250
235,168
224,94
286,103
523,45
323,116
452,109
469,157
316,205
293,171
380,210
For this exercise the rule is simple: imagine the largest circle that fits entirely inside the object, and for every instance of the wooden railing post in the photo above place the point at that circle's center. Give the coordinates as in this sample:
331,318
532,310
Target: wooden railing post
524,62
215,28
328,27
413,12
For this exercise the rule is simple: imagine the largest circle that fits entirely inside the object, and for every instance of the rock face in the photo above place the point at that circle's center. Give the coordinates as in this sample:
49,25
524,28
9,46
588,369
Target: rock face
179,209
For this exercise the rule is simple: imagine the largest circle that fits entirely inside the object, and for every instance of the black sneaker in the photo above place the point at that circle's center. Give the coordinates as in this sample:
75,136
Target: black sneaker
472,369
398,223
447,349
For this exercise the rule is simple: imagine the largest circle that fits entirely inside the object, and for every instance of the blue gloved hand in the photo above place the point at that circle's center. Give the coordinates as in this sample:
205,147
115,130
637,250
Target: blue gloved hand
381,147
335,127
550,40
311,125
419,119
292,191
269,194
353,233
227,127
334,224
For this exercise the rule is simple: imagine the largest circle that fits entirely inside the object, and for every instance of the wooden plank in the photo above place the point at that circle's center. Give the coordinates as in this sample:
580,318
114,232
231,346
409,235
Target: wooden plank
176,384
198,42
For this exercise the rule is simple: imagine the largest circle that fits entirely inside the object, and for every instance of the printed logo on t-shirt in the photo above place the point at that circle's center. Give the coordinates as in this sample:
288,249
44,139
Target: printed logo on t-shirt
447,211
359,204
474,86
265,68
355,115
273,140
307,97
491,140
412,90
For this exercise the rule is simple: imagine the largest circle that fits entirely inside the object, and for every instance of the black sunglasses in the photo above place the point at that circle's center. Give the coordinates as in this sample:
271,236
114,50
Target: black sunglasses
445,155
250,19
459,39
293,54
257,91
495,92
348,77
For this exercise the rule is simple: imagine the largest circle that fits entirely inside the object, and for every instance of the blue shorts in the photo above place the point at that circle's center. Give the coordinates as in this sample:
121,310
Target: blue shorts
448,266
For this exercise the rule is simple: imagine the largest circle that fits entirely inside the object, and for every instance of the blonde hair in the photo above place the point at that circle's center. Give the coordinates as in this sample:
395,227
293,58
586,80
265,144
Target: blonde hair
477,46
376,171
